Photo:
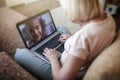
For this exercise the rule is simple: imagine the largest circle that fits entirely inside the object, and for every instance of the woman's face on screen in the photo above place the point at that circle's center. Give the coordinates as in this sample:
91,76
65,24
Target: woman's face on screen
36,34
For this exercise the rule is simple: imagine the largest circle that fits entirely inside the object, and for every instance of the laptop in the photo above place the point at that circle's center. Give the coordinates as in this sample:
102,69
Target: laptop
39,32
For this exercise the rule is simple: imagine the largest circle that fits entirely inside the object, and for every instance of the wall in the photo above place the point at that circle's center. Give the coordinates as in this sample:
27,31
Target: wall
10,3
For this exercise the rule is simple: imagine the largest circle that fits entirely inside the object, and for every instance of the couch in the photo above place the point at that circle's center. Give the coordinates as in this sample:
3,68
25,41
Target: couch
9,41
105,67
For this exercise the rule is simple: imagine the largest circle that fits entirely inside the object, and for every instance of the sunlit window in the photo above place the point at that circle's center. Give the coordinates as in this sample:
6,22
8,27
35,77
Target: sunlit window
102,2
29,1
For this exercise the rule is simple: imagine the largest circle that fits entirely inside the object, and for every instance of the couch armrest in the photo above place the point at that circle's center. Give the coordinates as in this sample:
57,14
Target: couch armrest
107,65
10,70
9,36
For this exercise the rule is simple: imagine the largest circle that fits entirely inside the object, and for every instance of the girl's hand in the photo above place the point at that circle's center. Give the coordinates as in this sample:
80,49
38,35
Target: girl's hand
51,54
64,37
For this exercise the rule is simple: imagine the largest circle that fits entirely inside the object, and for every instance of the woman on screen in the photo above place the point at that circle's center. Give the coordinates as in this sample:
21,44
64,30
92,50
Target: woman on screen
35,33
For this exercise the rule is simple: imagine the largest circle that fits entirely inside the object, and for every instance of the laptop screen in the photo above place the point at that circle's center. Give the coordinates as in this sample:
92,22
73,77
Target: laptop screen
37,28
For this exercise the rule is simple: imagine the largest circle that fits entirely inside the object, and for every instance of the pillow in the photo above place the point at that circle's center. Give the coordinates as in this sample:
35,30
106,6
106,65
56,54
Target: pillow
9,36
10,70
107,65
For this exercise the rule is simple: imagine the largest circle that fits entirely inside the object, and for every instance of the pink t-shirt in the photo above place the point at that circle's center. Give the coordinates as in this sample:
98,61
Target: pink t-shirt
89,41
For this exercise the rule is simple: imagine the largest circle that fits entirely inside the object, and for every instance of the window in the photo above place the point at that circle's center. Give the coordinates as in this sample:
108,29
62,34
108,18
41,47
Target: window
29,1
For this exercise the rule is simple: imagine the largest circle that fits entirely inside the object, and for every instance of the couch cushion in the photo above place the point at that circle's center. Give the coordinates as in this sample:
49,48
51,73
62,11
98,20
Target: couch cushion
10,70
9,36
107,65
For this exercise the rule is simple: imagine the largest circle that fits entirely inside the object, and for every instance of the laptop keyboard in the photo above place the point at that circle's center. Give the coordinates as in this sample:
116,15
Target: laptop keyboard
53,43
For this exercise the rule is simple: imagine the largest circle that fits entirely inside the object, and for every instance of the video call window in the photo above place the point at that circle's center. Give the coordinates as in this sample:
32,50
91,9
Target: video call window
37,29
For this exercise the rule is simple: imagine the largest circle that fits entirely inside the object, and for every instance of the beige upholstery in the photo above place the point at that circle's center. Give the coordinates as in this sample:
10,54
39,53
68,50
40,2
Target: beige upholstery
10,70
107,64
9,41
9,36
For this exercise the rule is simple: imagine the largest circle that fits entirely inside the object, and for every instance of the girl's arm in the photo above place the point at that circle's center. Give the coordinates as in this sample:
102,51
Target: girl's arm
66,72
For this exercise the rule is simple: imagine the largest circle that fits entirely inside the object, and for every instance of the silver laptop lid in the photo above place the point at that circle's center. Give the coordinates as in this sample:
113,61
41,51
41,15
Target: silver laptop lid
37,28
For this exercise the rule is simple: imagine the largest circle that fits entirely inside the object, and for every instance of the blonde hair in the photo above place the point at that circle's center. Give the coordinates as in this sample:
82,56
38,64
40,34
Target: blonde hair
83,10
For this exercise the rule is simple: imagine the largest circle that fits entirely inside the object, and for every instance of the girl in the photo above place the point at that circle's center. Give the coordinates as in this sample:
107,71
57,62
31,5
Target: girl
80,49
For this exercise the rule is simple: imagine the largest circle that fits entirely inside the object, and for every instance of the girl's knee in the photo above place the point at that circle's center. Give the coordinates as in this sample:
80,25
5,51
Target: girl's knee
63,29
20,53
